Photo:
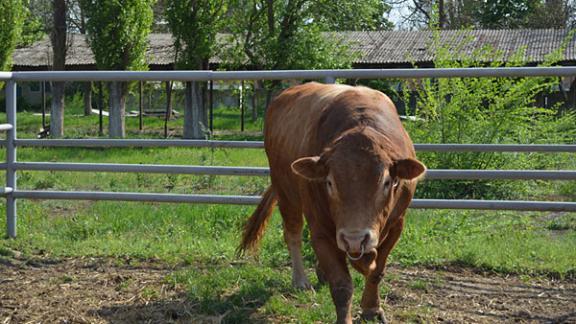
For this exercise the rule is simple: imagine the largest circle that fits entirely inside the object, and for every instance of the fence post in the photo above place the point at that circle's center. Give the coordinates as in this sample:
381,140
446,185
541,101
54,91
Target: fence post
11,158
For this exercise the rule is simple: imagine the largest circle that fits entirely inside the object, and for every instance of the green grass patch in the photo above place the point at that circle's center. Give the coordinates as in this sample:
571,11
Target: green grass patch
505,242
205,237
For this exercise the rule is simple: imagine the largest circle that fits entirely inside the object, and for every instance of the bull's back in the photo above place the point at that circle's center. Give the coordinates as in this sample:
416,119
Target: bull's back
292,118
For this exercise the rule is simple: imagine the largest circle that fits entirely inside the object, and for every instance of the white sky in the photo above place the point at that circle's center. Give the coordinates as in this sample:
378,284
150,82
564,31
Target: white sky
395,16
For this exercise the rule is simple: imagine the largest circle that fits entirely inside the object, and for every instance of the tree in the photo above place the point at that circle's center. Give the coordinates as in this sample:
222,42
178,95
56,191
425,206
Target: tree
503,14
11,21
292,34
340,15
77,23
490,14
194,25
33,28
553,14
118,32
59,47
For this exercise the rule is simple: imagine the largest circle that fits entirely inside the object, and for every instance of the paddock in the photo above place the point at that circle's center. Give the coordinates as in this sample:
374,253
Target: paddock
138,289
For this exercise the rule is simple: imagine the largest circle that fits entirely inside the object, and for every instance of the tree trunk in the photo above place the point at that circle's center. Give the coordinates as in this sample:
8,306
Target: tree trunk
43,105
211,107
168,113
441,15
116,126
58,39
268,97
140,105
57,110
254,101
241,102
87,98
169,99
194,112
100,108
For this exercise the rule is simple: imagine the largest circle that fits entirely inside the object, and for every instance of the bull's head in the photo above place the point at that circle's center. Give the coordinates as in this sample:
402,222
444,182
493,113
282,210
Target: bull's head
362,181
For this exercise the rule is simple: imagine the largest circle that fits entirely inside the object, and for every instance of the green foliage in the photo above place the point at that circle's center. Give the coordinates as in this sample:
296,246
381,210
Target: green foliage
500,14
493,14
343,15
118,32
194,24
487,111
289,36
32,27
11,20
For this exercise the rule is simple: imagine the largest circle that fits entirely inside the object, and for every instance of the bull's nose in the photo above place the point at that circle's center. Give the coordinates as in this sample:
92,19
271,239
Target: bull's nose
355,241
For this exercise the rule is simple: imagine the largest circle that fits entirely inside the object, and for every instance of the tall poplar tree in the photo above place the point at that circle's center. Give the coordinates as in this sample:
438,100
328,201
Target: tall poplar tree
194,25
118,32
59,46
11,19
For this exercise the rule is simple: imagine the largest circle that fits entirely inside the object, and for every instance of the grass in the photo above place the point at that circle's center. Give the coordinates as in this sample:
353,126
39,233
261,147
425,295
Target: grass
205,236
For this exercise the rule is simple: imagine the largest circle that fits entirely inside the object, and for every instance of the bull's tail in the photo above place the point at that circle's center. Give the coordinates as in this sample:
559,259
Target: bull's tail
256,224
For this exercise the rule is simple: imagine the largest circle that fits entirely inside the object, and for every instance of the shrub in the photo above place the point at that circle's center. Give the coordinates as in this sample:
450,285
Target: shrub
487,111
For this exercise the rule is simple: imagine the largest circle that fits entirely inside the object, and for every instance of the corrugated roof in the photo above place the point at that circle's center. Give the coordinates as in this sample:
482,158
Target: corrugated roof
398,47
374,48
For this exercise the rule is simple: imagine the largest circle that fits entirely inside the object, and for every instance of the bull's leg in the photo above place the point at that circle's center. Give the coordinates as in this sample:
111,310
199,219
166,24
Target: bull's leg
293,223
370,303
332,263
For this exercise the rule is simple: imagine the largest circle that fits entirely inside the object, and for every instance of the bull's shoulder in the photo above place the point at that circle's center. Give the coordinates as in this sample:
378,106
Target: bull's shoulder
298,108
360,106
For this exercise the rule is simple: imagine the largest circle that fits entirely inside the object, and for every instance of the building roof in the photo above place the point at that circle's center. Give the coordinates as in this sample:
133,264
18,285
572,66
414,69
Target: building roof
160,52
398,47
374,48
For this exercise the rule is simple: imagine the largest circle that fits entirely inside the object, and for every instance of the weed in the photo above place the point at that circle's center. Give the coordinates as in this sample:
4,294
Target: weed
66,279
48,182
171,181
6,252
149,293
419,284
123,284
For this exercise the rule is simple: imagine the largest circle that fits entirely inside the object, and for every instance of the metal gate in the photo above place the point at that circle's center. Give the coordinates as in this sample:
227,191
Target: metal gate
11,143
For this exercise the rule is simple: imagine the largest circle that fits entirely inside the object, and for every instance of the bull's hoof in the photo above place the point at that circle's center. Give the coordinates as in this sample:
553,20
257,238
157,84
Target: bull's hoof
375,315
301,283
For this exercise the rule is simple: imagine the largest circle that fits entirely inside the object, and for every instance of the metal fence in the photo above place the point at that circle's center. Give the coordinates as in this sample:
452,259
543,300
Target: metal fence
11,143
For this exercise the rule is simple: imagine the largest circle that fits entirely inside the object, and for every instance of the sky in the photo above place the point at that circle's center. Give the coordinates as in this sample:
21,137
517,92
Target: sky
395,16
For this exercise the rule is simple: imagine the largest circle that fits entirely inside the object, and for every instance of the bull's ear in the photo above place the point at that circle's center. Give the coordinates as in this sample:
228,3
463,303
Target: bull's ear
409,169
310,168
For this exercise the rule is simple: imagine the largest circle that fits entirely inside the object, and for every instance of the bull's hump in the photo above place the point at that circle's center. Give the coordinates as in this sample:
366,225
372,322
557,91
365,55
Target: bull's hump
359,107
293,116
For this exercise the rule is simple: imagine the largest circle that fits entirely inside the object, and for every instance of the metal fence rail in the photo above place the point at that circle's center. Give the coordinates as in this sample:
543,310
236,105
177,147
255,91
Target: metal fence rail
437,174
329,75
251,200
559,148
11,143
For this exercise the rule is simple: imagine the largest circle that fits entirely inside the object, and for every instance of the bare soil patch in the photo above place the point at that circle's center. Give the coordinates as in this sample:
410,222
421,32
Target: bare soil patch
96,290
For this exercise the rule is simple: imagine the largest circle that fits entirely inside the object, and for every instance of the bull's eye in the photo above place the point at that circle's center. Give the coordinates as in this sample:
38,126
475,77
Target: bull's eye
387,184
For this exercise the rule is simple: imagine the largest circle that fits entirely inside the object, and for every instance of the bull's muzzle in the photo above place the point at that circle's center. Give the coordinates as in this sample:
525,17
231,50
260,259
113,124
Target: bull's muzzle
356,243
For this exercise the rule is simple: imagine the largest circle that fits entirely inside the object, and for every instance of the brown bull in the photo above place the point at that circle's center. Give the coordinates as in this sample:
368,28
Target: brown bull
339,156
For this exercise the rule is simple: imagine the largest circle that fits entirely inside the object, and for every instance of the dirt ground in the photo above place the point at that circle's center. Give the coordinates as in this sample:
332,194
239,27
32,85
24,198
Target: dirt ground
92,290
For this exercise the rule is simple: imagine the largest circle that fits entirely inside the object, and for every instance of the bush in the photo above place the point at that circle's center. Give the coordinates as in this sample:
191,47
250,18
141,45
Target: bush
487,111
